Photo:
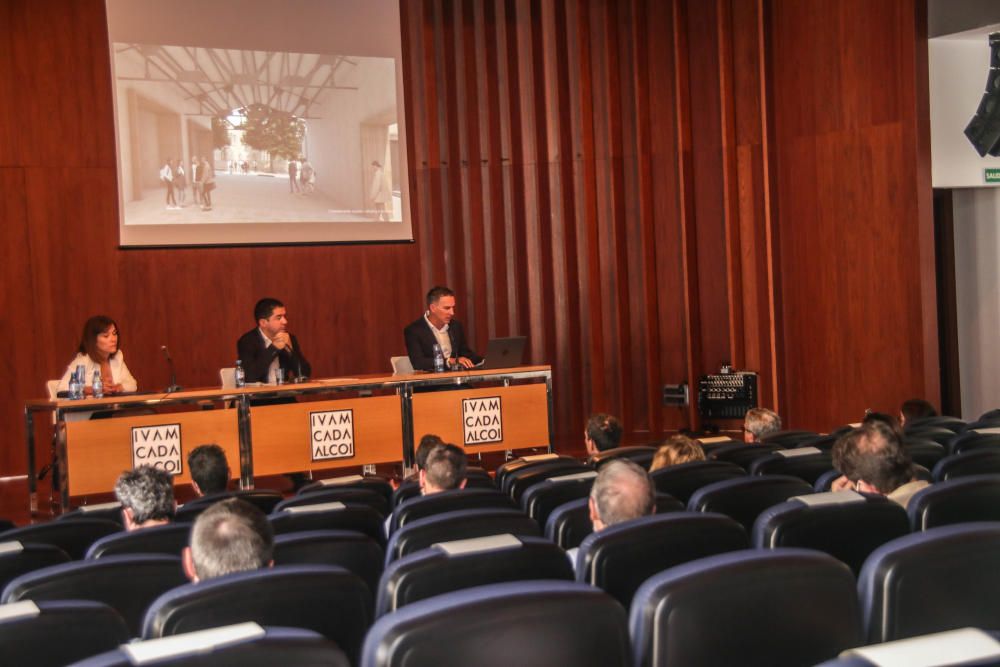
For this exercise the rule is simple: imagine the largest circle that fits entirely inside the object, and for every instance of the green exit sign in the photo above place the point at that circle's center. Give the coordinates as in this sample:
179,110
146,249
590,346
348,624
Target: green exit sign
992,175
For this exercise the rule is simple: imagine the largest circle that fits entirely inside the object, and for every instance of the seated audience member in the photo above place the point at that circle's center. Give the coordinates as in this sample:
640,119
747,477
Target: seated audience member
209,469
427,443
873,460
758,423
147,497
622,491
603,432
444,469
230,536
915,408
886,419
677,449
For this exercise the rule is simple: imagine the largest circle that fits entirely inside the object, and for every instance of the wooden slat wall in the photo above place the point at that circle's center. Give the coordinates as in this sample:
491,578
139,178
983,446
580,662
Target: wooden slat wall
645,188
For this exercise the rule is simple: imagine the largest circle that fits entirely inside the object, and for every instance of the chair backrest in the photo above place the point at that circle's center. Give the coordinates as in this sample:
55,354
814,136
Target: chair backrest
545,623
973,441
106,511
973,462
352,496
515,483
53,634
743,455
452,566
17,558
924,452
73,537
745,498
932,581
825,481
52,389
373,483
263,499
240,645
323,598
942,436
641,454
541,499
169,539
682,480
844,524
458,525
823,442
446,501
227,377
806,463
353,551
940,421
329,516
621,557
527,461
569,523
788,438
401,365
968,647
960,500
127,584
777,608
407,489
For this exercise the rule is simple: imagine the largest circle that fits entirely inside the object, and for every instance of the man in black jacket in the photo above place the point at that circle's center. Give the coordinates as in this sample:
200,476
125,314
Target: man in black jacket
437,326
270,347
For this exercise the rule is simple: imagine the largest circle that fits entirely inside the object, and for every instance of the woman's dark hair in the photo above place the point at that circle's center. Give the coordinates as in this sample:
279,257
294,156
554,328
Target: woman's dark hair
95,326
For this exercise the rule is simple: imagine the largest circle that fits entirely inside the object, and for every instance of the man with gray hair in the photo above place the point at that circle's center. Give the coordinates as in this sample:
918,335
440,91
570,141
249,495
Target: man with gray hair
147,497
230,536
758,423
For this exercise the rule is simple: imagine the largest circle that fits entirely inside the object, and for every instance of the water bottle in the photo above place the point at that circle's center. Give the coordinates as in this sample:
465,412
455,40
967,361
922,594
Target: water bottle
98,384
438,359
239,375
75,384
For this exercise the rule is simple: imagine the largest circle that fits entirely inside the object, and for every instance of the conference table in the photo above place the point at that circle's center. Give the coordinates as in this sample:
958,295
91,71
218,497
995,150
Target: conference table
273,429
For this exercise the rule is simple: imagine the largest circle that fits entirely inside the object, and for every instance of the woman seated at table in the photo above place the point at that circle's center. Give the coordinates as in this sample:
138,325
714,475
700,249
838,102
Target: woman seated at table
99,351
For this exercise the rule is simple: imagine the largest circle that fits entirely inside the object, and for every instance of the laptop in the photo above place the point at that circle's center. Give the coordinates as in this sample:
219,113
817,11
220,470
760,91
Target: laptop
504,352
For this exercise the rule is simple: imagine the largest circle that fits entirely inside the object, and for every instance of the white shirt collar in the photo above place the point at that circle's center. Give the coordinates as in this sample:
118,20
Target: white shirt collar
431,324
267,341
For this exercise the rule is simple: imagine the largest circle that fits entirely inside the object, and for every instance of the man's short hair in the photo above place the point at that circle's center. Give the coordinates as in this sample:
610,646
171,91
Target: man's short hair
873,453
445,466
622,491
604,430
435,293
265,307
887,419
209,468
147,492
917,408
230,536
676,450
427,443
760,422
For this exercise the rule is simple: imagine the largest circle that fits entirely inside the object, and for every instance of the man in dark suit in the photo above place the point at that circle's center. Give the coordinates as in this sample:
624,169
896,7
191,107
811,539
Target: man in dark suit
270,347
437,326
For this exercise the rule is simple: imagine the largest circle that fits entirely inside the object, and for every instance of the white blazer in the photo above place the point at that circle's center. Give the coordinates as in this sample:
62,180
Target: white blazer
119,371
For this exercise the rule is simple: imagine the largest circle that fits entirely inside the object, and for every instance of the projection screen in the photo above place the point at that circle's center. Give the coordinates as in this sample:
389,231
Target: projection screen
259,121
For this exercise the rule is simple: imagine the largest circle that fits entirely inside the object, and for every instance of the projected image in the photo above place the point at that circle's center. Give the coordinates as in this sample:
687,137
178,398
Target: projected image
217,136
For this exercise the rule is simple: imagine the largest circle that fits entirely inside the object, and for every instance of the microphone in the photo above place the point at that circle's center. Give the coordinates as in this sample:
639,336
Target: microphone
173,374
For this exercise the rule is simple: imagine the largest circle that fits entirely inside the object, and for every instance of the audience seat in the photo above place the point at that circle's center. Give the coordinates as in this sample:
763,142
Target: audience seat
926,453
241,645
621,557
263,499
781,608
127,584
168,539
941,436
788,438
967,647
641,454
74,537
350,550
540,500
457,525
961,500
825,481
452,566
974,441
518,623
822,442
323,598
953,424
665,503
376,484
681,481
710,443
745,498
17,558
525,462
743,455
569,523
516,483
844,524
975,462
806,463
406,490
330,516
54,634
940,579
372,499
107,511
447,501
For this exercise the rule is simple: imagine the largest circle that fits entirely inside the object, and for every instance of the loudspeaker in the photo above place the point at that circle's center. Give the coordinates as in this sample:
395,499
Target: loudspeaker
984,128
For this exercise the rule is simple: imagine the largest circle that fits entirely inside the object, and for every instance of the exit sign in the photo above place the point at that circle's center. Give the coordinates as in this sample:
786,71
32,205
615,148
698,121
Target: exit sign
992,175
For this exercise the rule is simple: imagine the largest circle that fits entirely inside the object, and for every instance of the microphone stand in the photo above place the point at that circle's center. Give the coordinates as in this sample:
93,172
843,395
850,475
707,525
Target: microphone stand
174,387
